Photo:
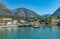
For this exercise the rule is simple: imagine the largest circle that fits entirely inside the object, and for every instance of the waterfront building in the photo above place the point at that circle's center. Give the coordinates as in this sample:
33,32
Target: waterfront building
55,20
15,21
22,21
5,21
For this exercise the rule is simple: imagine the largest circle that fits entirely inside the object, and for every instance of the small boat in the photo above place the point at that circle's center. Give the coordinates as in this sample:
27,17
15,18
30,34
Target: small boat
24,25
36,26
58,24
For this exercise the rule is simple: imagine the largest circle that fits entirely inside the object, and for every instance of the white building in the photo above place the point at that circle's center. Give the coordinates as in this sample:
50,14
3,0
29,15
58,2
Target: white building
15,21
6,18
22,21
5,21
55,20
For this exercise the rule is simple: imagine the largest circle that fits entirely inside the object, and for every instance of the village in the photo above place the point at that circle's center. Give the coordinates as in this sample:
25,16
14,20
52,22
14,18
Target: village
9,22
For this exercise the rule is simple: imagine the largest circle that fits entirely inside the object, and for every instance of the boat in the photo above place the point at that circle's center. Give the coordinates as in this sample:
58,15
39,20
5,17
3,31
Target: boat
24,25
36,25
58,24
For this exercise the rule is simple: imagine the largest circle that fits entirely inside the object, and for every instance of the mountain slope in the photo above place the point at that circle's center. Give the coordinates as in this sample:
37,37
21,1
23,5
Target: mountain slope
4,10
19,12
46,15
57,12
24,12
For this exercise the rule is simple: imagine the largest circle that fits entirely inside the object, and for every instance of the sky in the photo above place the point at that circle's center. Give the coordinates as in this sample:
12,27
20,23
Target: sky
41,7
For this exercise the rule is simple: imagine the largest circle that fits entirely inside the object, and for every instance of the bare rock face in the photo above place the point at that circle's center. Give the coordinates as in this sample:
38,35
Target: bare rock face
57,12
25,12
4,10
3,6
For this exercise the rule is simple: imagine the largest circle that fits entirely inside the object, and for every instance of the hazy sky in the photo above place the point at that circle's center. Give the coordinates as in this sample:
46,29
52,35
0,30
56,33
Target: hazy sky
39,6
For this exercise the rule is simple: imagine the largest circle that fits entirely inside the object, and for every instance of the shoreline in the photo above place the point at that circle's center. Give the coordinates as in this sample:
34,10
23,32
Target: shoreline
11,26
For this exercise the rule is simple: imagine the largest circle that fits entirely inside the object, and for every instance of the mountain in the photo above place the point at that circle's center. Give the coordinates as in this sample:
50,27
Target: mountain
4,10
21,12
57,12
24,12
46,15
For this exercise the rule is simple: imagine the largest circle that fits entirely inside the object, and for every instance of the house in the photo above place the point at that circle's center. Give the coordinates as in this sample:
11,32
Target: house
1,22
55,20
31,20
15,21
5,21
22,21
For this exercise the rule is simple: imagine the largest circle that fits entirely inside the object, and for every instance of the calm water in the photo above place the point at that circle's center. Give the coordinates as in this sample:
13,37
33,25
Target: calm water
44,32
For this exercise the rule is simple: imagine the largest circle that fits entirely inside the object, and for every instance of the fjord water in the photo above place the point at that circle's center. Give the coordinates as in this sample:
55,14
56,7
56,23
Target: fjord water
44,32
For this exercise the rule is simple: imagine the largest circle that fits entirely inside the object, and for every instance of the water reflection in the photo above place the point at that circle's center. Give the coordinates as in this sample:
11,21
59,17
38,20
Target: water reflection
23,29
43,32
